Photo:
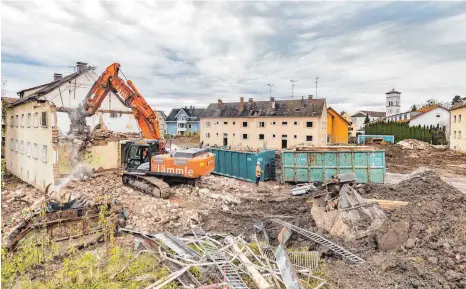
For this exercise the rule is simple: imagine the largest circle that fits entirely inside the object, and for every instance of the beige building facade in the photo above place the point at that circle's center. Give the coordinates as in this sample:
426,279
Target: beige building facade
31,143
265,124
458,127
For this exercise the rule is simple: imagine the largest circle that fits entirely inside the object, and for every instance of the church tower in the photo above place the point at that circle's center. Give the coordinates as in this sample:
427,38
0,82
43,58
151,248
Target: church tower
392,102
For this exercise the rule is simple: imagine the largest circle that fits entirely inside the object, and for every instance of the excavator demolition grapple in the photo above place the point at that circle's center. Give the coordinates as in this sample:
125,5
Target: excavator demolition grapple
148,166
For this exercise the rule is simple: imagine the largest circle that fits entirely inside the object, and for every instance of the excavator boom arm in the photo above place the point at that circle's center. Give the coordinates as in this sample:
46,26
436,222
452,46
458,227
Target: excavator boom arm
128,94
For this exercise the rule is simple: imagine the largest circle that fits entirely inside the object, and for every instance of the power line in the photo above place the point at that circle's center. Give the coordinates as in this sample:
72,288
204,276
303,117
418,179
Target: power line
292,87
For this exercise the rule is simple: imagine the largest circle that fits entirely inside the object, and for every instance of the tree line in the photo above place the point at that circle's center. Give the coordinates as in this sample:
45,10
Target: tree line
431,134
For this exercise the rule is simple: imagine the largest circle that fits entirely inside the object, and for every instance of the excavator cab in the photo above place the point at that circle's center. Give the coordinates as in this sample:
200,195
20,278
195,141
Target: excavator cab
138,154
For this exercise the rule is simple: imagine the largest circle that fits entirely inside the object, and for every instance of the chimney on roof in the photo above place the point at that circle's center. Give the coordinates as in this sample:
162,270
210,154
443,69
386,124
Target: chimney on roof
251,100
57,76
80,66
272,102
241,103
220,102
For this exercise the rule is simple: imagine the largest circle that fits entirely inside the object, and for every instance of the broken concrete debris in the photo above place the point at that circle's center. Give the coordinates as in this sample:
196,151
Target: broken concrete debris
341,211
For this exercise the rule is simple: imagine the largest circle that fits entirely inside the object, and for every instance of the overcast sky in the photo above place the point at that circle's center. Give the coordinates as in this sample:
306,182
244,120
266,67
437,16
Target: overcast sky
184,53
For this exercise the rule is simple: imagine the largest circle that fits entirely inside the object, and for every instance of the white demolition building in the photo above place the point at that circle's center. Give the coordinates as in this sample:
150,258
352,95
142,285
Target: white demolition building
37,149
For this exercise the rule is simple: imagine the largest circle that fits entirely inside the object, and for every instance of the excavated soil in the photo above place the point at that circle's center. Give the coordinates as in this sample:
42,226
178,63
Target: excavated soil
428,236
403,160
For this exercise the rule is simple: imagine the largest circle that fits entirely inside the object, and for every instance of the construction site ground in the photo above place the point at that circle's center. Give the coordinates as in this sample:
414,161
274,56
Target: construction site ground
427,236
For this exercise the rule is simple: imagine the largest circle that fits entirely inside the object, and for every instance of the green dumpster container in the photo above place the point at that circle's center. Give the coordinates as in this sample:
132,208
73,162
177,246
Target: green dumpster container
320,163
242,165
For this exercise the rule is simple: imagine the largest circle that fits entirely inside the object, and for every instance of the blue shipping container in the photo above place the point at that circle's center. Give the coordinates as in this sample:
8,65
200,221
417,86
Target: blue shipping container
319,164
388,138
242,165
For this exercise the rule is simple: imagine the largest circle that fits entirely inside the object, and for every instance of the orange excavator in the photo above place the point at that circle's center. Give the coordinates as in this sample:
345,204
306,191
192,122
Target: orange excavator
148,166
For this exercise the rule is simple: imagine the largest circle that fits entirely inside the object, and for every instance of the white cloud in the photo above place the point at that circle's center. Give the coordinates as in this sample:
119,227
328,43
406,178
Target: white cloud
181,53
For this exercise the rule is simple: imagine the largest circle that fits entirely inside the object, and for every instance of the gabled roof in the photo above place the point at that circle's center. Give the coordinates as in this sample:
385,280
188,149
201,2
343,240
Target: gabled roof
339,115
427,109
9,100
393,91
295,107
48,87
363,113
195,113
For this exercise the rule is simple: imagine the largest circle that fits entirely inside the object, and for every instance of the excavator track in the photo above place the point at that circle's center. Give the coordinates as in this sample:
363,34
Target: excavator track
148,185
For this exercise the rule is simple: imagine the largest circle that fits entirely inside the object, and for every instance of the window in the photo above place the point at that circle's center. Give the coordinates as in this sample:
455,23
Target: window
261,136
274,123
113,114
309,124
459,134
12,144
245,124
36,151
225,122
29,120
245,136
44,154
22,120
295,136
284,123
12,121
454,134
36,119
459,117
16,121
16,145
28,149
261,124
234,134
284,136
234,123
189,125
207,135
216,122
309,138
207,124
273,136
21,147
217,134
44,119
295,123
437,115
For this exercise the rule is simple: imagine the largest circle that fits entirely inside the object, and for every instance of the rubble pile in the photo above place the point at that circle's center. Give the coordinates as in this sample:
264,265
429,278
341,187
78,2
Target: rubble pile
102,136
414,144
400,160
422,244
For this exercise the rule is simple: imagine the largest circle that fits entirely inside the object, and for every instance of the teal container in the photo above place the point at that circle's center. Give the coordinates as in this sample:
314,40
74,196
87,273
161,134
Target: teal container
388,138
319,164
242,165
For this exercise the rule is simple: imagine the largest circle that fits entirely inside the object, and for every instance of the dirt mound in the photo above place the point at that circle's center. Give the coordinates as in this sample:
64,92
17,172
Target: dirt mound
421,245
414,144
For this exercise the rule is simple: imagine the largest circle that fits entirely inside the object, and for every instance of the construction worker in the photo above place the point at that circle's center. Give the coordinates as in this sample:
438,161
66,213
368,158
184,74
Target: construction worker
258,173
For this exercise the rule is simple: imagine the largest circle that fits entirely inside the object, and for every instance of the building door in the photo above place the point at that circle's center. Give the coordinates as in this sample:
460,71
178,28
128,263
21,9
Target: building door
284,141
225,139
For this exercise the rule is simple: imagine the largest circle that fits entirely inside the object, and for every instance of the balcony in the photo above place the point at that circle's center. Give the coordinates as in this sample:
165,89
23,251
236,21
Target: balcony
180,120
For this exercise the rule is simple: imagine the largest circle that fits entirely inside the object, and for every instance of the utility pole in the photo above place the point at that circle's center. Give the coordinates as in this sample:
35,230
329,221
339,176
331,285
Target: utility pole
317,81
292,87
270,89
